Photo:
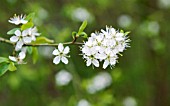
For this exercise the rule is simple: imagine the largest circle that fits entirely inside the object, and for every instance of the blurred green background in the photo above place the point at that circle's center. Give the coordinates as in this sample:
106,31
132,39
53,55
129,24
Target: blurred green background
141,78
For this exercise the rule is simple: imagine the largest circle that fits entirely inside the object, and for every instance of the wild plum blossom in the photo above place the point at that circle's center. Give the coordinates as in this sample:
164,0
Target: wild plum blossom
61,54
63,78
99,82
19,58
83,102
104,46
20,38
32,32
18,20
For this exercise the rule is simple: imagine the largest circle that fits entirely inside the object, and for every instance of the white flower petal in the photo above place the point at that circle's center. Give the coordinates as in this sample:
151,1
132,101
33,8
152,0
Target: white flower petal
112,61
17,33
24,21
56,60
119,34
64,60
13,58
56,52
113,31
88,63
66,50
27,39
14,38
60,47
21,55
19,44
95,62
33,38
105,64
25,32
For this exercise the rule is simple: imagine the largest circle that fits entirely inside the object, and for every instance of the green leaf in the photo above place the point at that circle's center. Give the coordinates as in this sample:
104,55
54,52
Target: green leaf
83,34
34,54
41,40
74,34
27,25
29,49
12,67
12,31
3,68
4,59
30,16
82,27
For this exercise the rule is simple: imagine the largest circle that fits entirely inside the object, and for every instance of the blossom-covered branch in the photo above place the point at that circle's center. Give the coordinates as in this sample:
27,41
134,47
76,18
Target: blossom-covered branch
45,44
101,47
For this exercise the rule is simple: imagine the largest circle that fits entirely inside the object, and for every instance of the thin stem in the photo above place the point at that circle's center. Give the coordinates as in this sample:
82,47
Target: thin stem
54,44
6,41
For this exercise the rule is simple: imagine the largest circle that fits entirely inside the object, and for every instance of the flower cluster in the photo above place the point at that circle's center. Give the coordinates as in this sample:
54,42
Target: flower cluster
104,46
18,20
61,54
22,37
20,57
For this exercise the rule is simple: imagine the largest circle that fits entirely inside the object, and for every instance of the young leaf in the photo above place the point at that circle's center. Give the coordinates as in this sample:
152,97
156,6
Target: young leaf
83,34
35,54
74,34
29,49
30,16
41,40
27,25
12,31
82,27
12,67
3,68
4,59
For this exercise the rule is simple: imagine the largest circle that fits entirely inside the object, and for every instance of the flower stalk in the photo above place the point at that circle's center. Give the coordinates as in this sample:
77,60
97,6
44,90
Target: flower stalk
36,45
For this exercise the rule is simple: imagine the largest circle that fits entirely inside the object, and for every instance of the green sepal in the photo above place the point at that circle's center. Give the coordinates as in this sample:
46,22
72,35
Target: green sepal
121,31
126,33
12,31
12,67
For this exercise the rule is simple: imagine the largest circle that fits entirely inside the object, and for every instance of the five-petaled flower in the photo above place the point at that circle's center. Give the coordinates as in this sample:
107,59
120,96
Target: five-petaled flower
32,32
18,20
20,38
19,58
61,54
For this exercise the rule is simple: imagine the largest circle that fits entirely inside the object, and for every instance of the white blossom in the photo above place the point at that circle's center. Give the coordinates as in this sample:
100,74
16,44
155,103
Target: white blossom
20,38
129,101
104,46
32,32
61,54
18,20
83,102
19,58
99,82
63,78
